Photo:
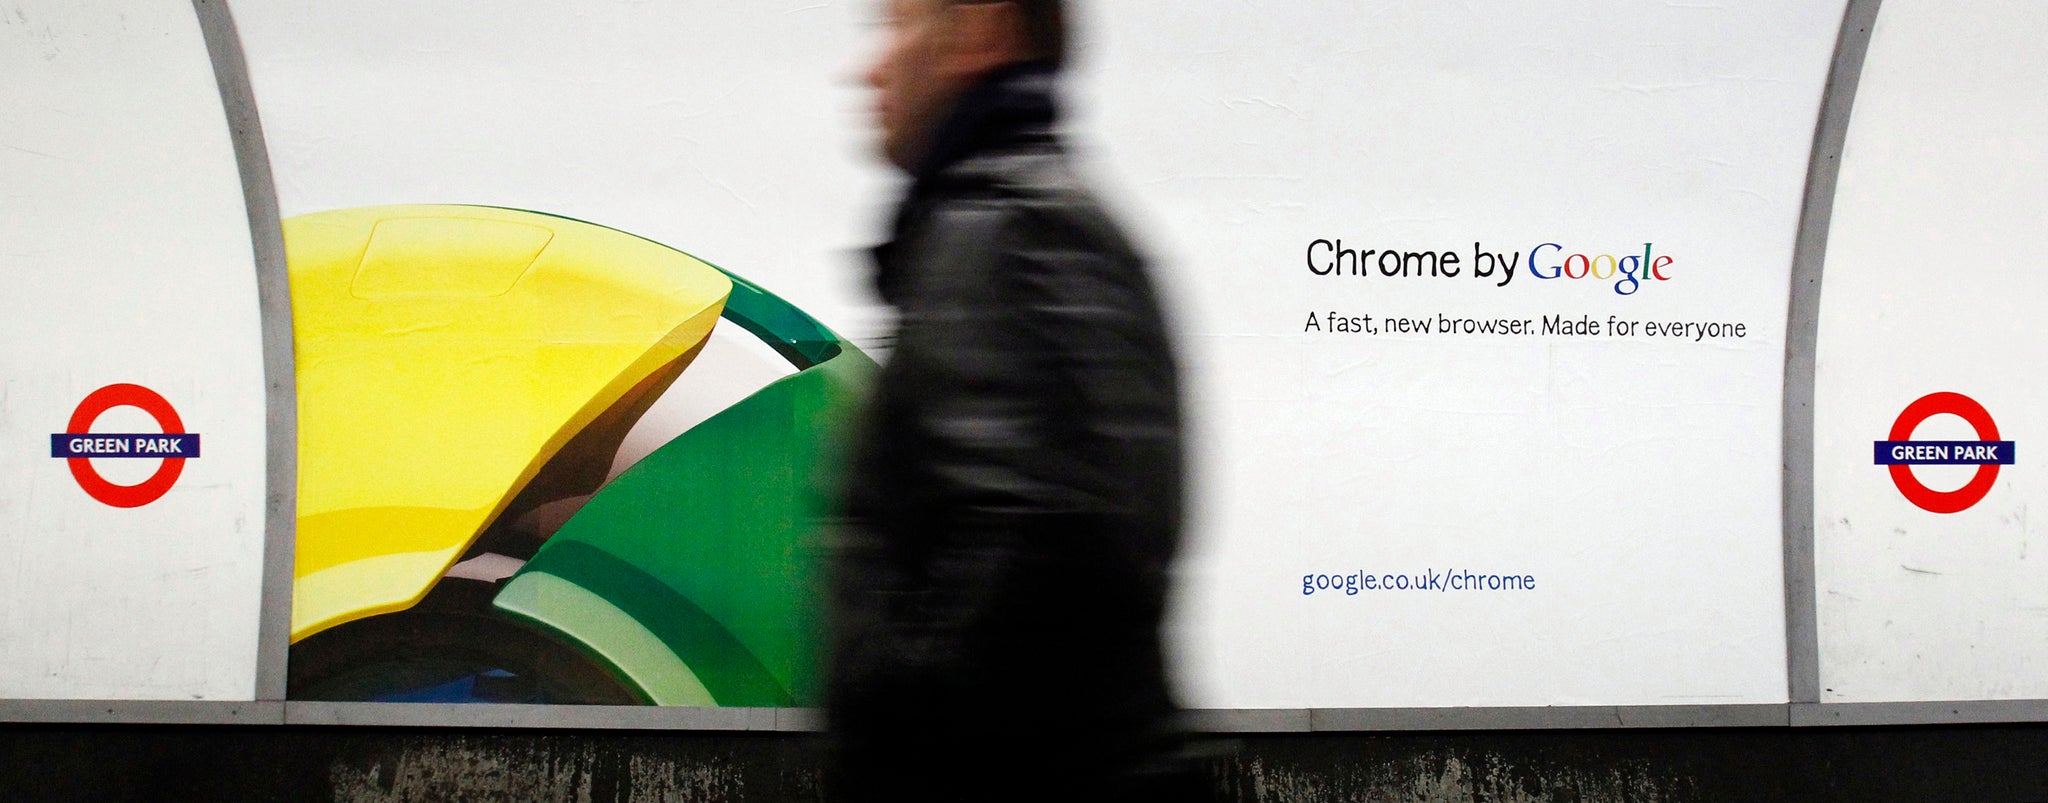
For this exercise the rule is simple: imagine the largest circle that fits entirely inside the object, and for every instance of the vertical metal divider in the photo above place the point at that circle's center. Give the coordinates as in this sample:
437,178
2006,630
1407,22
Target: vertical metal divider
231,72
1802,340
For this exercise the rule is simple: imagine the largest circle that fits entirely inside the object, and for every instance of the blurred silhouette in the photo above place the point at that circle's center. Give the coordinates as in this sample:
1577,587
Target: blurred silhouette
1013,504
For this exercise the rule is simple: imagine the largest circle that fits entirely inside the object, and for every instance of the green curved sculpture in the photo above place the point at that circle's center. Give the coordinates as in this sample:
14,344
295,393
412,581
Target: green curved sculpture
695,574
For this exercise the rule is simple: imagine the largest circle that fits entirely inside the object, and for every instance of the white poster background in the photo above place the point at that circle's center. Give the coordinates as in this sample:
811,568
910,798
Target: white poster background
125,252
1636,479
1933,283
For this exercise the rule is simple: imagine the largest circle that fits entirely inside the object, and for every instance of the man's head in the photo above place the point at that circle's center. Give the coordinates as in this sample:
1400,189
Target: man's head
936,49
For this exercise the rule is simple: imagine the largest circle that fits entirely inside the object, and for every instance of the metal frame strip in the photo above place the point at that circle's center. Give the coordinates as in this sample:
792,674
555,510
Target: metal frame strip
141,712
1961,712
583,717
1211,721
1802,337
273,289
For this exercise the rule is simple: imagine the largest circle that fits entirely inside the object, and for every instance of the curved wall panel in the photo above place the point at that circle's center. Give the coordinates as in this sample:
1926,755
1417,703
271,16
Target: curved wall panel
125,250
1929,588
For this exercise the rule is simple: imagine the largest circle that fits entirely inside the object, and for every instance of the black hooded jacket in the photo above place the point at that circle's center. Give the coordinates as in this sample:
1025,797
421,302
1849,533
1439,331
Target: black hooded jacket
1014,502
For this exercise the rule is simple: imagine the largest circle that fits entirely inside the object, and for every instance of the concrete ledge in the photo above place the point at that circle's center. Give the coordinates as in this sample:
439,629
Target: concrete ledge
800,719
1548,717
584,717
1215,721
1247,720
142,712
1965,712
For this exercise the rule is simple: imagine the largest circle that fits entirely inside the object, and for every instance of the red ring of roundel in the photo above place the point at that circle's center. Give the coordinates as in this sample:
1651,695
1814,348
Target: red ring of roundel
1926,407
125,395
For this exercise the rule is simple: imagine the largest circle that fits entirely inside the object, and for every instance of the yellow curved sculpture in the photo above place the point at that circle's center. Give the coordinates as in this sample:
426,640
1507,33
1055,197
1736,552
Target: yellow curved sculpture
445,354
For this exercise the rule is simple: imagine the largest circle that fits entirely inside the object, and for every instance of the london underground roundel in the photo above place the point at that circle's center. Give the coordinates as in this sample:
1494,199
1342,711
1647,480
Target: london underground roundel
78,445
1901,453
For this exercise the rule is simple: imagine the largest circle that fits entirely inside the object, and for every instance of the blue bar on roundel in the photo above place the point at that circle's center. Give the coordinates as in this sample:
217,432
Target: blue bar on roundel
154,445
1944,453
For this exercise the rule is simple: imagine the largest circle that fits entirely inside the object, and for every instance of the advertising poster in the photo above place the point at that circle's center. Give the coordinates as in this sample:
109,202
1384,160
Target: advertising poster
1481,313
1482,310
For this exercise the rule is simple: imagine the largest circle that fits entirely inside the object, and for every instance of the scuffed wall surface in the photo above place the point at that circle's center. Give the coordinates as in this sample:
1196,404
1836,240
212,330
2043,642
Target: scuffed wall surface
1454,778
471,768
378,765
1994,763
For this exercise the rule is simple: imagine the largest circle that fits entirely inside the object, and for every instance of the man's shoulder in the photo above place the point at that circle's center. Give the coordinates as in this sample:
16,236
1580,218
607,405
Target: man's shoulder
1015,176
1034,193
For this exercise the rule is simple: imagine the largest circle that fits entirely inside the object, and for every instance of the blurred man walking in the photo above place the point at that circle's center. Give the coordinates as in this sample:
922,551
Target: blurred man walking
1014,500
